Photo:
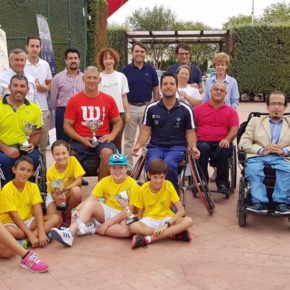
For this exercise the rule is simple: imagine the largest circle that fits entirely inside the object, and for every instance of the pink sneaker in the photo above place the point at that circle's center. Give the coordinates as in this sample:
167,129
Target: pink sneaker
33,263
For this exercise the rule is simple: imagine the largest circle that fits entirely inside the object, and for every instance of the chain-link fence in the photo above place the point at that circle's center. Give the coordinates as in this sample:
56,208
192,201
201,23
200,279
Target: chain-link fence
67,20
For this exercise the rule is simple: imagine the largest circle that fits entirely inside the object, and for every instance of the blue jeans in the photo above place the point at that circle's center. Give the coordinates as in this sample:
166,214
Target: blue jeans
7,163
171,155
254,173
59,118
219,158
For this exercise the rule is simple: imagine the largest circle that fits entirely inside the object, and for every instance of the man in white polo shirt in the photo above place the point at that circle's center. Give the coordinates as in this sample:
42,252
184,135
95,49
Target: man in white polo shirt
17,60
41,72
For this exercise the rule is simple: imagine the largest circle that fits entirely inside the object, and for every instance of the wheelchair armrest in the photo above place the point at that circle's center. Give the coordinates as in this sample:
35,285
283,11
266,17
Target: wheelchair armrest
242,156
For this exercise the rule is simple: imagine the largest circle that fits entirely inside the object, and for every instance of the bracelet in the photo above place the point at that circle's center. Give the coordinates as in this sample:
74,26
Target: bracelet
74,209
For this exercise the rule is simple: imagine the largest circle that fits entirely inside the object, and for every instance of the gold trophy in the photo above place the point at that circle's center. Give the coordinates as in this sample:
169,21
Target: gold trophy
93,126
57,186
123,199
29,128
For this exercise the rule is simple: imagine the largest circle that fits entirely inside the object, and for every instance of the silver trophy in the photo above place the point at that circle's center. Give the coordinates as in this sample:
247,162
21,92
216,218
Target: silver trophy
93,126
123,199
29,128
57,186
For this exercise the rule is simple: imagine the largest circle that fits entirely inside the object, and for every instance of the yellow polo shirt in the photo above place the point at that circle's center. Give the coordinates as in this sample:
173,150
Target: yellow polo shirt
12,121
11,199
156,205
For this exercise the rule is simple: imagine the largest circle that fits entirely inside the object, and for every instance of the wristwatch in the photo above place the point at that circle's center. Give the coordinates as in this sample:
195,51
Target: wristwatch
168,224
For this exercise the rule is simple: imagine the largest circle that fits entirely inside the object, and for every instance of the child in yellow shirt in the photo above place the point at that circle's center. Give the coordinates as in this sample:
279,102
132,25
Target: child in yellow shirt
102,210
20,206
68,170
9,247
157,220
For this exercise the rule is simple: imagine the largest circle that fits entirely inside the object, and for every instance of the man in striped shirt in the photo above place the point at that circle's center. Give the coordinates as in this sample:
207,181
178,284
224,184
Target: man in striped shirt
64,85
170,124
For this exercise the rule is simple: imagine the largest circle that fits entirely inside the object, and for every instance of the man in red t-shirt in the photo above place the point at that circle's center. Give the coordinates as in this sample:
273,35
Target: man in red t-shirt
92,105
216,127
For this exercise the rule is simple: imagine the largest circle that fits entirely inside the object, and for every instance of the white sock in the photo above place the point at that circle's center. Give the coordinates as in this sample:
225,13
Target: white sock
148,238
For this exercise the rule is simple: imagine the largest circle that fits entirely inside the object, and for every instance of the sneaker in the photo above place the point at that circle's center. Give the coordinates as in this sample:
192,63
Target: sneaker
139,241
86,229
282,208
23,243
33,263
222,189
258,207
63,236
185,236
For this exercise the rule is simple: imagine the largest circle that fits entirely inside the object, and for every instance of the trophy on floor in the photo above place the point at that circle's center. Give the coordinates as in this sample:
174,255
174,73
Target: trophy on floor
93,126
29,128
57,186
123,199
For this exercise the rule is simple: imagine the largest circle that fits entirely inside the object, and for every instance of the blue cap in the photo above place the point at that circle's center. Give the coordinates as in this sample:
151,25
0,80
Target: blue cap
118,159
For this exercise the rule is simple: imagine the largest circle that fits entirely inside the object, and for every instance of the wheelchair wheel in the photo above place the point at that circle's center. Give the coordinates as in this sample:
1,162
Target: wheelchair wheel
200,184
181,186
137,169
40,180
241,206
233,170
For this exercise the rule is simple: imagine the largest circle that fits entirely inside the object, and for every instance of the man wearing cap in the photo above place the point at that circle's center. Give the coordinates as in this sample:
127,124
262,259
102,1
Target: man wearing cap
102,213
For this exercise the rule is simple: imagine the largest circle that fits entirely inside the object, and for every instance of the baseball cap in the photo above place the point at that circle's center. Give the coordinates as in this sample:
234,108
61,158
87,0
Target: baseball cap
118,159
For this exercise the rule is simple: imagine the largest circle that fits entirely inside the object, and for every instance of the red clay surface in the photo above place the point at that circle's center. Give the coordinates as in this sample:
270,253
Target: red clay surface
221,255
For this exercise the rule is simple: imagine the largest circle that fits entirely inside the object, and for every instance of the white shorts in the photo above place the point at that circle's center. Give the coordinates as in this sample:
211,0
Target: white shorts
28,223
109,212
152,223
48,200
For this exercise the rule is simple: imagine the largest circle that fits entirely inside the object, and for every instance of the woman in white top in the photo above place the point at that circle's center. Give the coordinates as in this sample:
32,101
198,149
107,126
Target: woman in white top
185,91
115,84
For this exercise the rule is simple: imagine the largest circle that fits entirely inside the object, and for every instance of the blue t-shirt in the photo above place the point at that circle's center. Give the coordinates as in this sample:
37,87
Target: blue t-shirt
168,126
195,73
141,82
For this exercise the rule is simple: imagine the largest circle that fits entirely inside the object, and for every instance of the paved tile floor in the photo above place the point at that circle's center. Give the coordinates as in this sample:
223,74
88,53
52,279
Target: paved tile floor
221,255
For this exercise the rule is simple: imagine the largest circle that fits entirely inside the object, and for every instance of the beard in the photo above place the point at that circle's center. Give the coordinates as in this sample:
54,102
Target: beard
169,96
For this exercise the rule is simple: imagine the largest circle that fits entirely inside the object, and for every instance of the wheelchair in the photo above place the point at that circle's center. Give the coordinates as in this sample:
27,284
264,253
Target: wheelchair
184,182
245,199
232,173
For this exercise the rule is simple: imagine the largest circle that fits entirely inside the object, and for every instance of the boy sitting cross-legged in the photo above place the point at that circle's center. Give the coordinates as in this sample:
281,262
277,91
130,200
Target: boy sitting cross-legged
103,218
154,199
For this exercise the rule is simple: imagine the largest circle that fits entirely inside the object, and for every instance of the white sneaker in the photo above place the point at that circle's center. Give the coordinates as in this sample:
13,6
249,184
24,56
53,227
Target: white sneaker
63,236
86,229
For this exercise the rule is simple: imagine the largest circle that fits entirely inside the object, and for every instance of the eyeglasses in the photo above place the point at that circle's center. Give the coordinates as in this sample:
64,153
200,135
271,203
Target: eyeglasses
274,104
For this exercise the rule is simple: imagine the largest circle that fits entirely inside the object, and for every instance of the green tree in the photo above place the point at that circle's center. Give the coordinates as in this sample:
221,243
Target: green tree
276,13
159,18
238,20
163,19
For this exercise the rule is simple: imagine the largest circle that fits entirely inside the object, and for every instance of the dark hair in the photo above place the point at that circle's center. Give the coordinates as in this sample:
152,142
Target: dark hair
58,143
157,166
23,158
139,44
112,52
168,74
20,78
72,50
32,37
277,93
183,46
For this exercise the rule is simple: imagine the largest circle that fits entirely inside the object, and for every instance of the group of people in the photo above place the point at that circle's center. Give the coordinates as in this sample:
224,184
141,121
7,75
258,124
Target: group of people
93,112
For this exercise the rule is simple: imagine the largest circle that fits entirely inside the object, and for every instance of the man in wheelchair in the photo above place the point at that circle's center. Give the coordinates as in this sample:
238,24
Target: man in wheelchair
89,113
169,122
266,141
20,127
216,127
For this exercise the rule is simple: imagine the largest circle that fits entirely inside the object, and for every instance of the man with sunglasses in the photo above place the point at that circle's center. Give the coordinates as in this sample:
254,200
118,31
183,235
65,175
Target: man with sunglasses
266,141
183,58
